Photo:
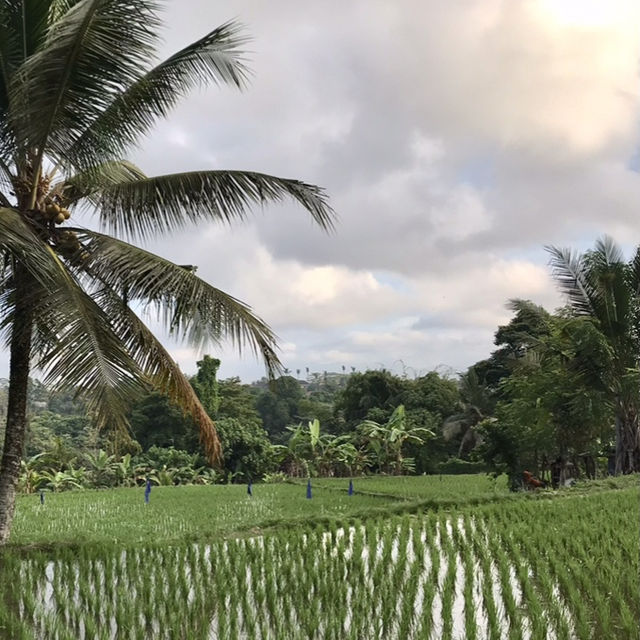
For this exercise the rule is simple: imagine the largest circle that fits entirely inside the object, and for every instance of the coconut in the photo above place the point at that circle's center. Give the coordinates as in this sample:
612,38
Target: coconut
59,219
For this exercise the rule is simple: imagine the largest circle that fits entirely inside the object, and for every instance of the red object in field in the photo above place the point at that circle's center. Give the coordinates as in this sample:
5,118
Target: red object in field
531,481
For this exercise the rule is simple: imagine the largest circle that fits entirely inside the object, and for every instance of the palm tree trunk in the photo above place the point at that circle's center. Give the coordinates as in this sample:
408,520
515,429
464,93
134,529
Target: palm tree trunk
627,440
17,404
619,446
631,442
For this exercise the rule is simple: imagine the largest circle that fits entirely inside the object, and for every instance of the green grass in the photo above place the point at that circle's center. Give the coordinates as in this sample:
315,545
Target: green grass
201,561
564,568
455,488
120,517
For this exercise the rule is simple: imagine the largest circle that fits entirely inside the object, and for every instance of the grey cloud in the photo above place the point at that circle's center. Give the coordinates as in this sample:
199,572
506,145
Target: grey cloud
453,139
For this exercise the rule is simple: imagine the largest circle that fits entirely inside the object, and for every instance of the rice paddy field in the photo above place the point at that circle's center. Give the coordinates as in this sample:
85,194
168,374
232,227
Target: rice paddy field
389,562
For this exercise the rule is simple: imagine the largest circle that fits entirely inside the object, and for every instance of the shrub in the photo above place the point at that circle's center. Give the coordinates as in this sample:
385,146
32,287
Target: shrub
455,466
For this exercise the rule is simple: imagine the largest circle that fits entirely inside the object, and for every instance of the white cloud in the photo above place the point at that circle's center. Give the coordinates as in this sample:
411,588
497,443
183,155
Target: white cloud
455,139
288,293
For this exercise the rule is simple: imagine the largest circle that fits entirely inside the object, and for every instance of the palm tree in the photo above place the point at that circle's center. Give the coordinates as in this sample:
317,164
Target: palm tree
78,89
602,285
475,405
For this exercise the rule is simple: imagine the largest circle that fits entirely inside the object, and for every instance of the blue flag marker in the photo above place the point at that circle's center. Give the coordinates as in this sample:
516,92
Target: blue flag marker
350,487
249,489
309,489
42,497
147,491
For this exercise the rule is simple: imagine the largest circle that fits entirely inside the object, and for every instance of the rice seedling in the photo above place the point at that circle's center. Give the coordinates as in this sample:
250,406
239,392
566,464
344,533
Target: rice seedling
436,574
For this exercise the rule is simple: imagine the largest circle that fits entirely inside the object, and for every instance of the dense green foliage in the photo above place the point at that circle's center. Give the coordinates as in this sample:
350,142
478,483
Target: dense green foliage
549,397
155,421
249,451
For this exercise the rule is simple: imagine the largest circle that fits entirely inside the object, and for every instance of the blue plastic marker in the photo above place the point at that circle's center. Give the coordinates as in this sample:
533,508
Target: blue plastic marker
309,489
42,497
350,487
147,491
249,489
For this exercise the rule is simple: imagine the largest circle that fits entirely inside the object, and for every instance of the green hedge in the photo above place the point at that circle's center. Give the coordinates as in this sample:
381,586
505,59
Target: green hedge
455,466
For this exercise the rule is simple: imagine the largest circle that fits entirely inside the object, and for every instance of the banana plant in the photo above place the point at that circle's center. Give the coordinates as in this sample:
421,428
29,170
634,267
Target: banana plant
60,481
293,457
314,432
103,468
207,476
386,441
125,471
31,478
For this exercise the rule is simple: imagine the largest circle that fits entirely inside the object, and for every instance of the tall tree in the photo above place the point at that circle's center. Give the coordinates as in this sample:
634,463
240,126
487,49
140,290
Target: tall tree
279,405
547,406
79,87
157,422
367,391
205,384
602,285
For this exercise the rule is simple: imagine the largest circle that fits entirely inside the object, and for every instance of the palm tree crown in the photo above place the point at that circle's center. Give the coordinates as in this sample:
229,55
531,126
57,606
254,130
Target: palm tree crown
77,91
602,285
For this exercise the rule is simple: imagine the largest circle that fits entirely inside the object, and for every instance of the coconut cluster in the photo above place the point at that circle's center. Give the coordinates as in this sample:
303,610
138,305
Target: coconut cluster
70,247
55,213
50,211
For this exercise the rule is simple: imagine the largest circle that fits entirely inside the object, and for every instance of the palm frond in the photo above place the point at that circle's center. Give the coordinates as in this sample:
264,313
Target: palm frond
90,52
611,254
568,271
160,369
18,241
634,272
27,24
146,208
608,276
79,351
518,305
23,29
60,7
10,52
95,345
216,58
90,182
191,309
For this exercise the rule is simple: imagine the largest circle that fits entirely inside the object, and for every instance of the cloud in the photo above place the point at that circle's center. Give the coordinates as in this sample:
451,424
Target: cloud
290,294
328,317
455,139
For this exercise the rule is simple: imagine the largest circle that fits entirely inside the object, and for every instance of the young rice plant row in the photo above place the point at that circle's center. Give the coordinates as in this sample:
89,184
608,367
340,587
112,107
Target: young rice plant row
561,568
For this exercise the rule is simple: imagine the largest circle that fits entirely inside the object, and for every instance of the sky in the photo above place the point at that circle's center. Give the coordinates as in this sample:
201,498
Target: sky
455,139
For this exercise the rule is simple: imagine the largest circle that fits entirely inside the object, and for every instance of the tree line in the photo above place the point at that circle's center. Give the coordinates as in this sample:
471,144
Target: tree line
560,388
